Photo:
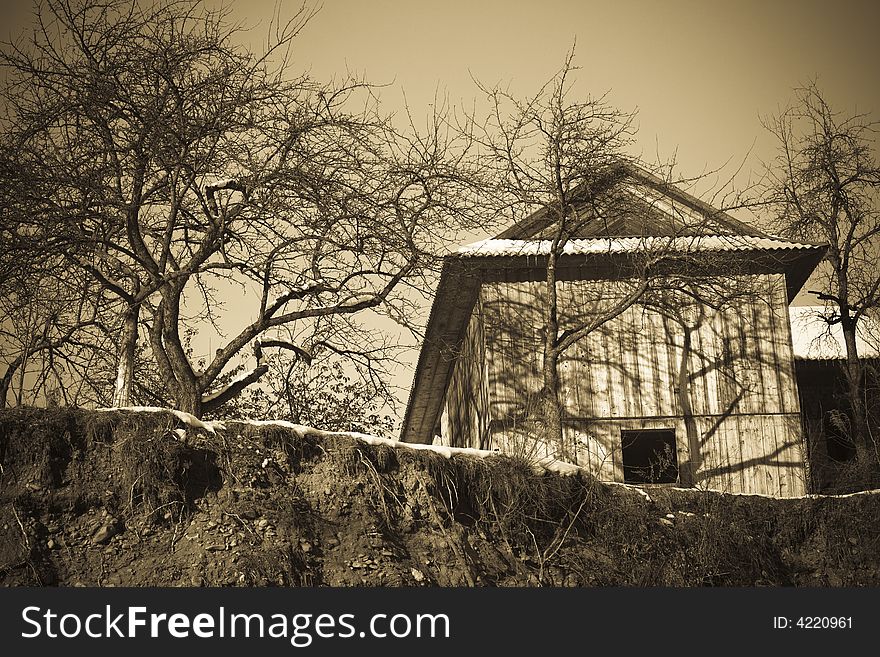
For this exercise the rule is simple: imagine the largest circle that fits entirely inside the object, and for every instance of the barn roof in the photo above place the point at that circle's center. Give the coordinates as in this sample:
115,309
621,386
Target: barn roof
653,215
598,245
641,204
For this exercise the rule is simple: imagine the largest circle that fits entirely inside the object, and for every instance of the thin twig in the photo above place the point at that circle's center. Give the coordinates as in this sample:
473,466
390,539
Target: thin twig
27,542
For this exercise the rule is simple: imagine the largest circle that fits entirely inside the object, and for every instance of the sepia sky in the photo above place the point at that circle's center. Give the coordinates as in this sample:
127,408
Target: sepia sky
700,73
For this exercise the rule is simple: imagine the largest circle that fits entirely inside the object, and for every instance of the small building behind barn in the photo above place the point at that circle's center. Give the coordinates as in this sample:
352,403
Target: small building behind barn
676,389
820,361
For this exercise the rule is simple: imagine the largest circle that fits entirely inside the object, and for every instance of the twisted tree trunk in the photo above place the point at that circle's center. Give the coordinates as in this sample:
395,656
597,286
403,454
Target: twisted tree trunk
125,358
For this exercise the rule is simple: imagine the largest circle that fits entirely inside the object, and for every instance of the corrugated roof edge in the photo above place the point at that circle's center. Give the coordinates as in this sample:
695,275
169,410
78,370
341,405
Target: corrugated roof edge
495,247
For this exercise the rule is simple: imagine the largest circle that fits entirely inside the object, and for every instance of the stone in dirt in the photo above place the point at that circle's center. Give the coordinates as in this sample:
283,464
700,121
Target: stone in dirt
106,532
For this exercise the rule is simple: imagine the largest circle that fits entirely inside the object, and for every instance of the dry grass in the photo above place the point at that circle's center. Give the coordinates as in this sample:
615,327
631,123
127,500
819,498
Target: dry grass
549,529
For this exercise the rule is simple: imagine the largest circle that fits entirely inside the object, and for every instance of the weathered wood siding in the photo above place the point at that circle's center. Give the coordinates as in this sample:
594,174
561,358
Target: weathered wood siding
736,420
465,418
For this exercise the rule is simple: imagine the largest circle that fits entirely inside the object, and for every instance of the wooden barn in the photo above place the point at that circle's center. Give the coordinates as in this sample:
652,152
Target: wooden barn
676,389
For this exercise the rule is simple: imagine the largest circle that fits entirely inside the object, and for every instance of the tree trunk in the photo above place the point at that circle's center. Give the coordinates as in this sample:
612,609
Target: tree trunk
125,358
686,471
5,382
861,435
188,391
549,408
19,395
190,400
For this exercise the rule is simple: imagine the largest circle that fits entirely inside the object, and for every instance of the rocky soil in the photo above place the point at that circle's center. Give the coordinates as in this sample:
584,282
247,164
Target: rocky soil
138,499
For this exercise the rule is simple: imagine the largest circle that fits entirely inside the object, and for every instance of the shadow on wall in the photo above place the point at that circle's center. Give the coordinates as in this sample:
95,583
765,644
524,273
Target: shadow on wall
736,421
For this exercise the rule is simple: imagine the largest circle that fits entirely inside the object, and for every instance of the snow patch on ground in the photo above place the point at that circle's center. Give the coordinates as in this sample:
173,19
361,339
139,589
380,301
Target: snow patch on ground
545,464
718,491
632,487
542,464
186,418
302,430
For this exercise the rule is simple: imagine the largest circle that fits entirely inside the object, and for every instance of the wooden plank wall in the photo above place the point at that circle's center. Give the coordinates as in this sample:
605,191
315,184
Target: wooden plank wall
465,418
744,433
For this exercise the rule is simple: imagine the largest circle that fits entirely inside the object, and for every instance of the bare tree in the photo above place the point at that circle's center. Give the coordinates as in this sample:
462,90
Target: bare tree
52,334
171,165
328,395
562,169
53,319
823,186
556,155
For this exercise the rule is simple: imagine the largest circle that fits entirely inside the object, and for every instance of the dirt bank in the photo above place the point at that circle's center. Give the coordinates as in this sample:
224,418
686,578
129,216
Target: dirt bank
140,499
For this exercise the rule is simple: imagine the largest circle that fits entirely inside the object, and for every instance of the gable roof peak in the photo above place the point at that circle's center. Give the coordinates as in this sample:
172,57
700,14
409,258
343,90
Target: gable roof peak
637,204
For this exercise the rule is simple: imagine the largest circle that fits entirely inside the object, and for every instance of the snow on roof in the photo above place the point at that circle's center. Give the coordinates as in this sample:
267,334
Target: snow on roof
814,339
603,245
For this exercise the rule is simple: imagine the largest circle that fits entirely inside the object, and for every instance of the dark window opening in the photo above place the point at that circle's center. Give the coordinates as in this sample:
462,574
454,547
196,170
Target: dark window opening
838,444
649,456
